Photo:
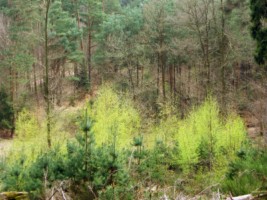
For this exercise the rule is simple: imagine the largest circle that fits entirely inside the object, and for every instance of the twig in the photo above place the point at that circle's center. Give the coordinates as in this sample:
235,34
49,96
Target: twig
231,196
130,161
91,190
53,194
62,191
63,194
211,186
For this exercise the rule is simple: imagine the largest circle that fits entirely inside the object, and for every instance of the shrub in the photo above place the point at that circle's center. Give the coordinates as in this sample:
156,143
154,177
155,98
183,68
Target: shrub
26,125
84,163
114,116
206,141
248,173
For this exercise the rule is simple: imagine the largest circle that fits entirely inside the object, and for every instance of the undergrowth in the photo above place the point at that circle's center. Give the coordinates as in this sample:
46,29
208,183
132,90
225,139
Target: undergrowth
248,173
118,159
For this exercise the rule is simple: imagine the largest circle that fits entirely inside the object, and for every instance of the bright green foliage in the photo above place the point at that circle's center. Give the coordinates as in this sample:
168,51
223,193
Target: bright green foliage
29,138
83,163
26,126
100,166
6,111
205,141
110,157
115,118
30,135
247,173
201,125
232,136
167,128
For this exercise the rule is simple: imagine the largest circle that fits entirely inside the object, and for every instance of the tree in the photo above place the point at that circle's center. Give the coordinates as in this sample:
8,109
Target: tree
92,17
259,29
64,36
6,112
16,51
159,31
259,33
47,91
120,39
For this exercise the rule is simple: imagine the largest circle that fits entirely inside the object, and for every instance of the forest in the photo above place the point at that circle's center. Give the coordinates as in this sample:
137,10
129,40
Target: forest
133,99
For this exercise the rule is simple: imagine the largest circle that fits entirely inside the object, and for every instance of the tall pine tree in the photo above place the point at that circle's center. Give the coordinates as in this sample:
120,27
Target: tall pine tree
259,28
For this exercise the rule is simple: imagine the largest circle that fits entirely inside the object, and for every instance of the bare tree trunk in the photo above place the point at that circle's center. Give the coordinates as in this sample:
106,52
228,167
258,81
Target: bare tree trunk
103,6
47,92
130,73
35,85
158,71
189,81
12,98
28,75
163,80
171,79
89,55
162,66
137,74
174,77
222,59
142,75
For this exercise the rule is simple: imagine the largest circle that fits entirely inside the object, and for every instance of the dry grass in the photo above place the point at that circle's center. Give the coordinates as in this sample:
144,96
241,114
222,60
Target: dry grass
5,146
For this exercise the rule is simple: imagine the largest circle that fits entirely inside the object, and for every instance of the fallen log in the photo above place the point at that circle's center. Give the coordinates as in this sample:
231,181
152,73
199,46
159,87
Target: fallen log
14,196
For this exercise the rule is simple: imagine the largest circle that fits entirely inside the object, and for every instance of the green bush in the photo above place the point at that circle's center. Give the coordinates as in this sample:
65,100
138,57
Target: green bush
26,126
83,163
114,116
117,163
248,173
205,140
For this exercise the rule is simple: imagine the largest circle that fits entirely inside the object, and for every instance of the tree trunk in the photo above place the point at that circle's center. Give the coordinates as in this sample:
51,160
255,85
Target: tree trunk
89,55
158,71
137,74
171,79
35,85
28,81
47,92
222,58
174,78
163,81
12,98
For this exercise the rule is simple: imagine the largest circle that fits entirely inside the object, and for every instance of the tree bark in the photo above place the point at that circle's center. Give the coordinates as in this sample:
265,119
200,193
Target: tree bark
47,92
35,85
89,55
